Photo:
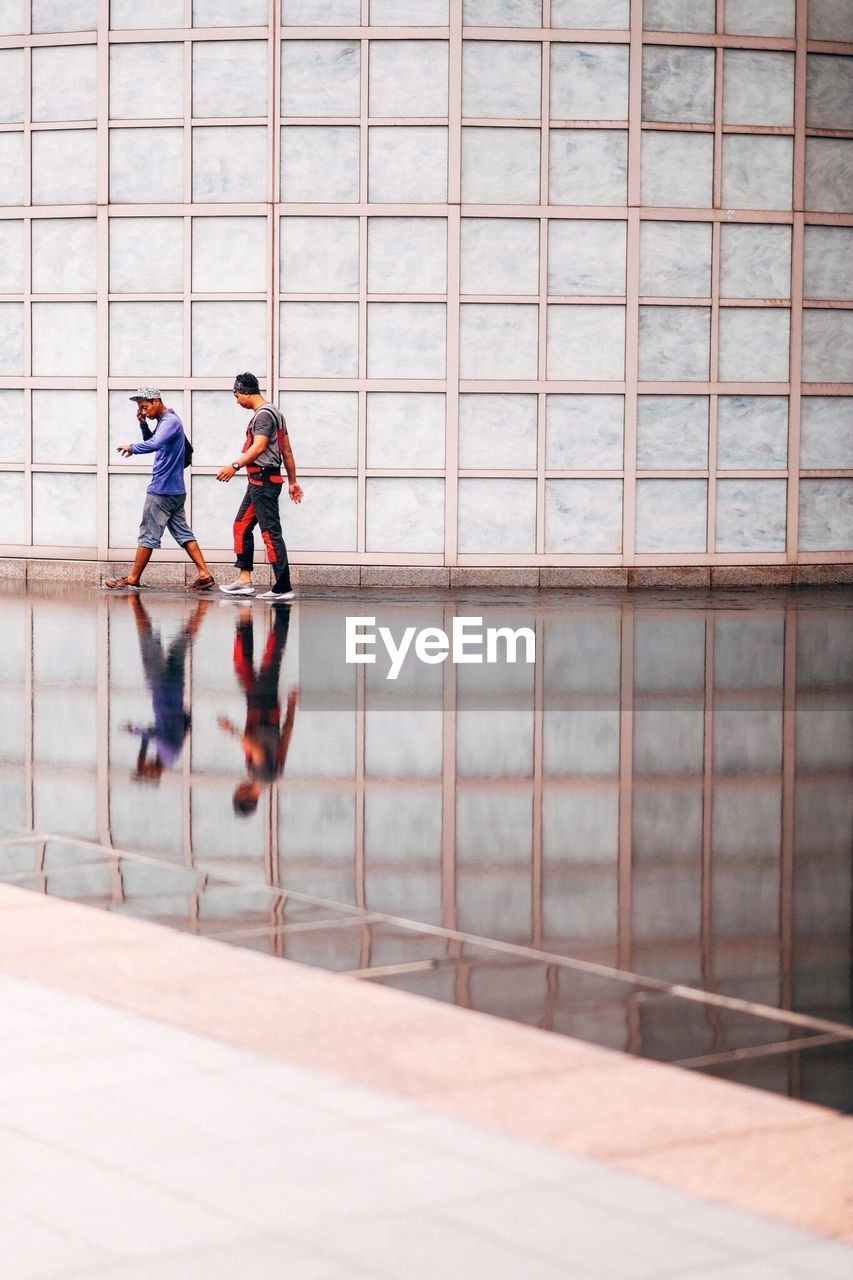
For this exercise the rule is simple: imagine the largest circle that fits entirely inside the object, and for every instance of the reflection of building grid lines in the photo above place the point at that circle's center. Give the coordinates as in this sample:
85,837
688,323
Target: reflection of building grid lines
656,812
534,285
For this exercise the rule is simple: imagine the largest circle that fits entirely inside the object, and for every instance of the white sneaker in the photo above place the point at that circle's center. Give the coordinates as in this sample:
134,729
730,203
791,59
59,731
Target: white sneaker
238,588
277,595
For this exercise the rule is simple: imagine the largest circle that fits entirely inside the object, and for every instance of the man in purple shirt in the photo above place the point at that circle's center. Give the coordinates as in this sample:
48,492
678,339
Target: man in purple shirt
166,496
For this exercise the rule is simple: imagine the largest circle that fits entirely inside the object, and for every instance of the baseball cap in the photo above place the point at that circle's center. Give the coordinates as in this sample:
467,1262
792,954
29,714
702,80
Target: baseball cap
146,393
246,384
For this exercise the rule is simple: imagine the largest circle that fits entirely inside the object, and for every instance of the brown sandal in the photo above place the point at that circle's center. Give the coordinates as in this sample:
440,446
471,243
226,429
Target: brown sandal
117,584
202,584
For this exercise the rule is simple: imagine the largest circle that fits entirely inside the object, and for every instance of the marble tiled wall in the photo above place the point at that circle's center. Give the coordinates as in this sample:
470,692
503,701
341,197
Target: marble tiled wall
544,373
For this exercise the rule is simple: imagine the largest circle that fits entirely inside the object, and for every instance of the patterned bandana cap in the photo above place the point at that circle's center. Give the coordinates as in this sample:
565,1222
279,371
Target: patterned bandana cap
146,393
246,384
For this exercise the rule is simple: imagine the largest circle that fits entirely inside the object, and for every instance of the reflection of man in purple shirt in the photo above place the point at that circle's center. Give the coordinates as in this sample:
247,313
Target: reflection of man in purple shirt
164,674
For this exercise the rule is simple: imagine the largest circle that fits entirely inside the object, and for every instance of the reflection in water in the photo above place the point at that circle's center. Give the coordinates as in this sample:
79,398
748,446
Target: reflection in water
664,799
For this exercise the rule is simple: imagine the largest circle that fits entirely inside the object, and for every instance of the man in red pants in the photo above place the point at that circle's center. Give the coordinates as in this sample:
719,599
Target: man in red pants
266,448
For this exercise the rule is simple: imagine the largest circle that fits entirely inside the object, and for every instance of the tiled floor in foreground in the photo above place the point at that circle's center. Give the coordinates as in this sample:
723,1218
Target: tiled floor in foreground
133,1151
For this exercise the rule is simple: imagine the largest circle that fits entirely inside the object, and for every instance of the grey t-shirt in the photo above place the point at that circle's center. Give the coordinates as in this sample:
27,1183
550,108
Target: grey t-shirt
264,423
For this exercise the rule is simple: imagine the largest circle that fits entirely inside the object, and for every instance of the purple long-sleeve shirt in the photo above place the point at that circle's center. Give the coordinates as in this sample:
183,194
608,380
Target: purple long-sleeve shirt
167,444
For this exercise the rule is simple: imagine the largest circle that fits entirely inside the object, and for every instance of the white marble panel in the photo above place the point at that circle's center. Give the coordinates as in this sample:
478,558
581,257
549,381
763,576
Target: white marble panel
127,496
64,426
64,169
64,15
677,169
403,746
64,82
675,259
405,429
64,510
755,262
678,84
588,166
123,426
406,339
587,15
751,515
12,168
589,81
229,255
404,514
829,262
146,81
826,431
230,163
500,255
829,175
497,431
320,13
136,155
409,13
319,255
584,432
319,339
498,340
230,13
671,515
229,78
11,337
826,514
13,527
754,344
580,742
827,346
407,165
760,17
586,342
11,17
500,166
227,336
672,432
218,427
829,92
830,20
679,15
407,255
325,520
407,78
64,338
587,258
497,516
501,79
11,255
146,254
758,88
502,13
11,85
675,344
129,15
320,77
757,172
12,425
146,339
752,433
319,164
63,258
583,516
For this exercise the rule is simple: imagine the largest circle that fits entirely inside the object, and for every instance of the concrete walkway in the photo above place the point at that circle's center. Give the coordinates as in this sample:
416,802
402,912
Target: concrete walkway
134,1148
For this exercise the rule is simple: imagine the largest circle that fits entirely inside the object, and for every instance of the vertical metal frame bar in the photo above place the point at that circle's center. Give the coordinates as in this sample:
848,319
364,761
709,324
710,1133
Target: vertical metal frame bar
102,306
632,284
453,309
797,283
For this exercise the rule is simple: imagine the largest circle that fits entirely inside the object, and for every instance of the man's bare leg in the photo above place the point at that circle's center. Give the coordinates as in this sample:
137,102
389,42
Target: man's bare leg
193,550
143,555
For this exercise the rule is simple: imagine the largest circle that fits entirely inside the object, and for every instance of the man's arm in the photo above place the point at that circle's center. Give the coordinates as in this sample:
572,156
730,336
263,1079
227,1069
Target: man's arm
255,450
156,439
294,489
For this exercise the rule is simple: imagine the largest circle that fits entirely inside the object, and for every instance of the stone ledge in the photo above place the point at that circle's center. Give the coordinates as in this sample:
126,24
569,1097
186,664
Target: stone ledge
403,576
691,577
570,576
325,575
749,575
823,575
494,577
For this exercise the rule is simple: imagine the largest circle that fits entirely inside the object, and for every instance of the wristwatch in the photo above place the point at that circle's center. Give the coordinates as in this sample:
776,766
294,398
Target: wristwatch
235,466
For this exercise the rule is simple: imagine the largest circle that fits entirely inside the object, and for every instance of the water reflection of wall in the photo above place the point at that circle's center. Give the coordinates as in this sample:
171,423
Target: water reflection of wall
669,792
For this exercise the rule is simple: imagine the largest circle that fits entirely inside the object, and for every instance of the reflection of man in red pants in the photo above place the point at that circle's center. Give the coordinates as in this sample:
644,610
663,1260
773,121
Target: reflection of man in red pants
265,739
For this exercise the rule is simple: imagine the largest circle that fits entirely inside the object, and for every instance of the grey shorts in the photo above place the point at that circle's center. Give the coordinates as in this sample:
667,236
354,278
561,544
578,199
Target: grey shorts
164,511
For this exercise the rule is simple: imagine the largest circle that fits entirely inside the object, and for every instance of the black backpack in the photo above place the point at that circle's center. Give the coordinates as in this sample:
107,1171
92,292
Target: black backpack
147,433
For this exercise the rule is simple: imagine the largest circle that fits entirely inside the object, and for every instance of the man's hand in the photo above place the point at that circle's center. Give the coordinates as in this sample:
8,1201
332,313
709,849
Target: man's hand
295,491
125,450
141,416
226,474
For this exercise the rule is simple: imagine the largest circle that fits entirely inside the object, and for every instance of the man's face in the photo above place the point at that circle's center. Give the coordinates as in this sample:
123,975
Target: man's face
243,401
147,407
